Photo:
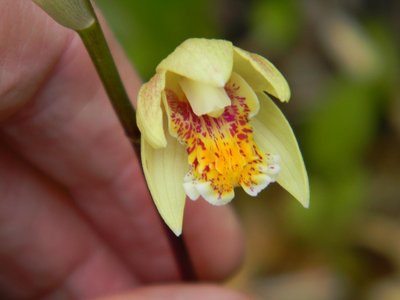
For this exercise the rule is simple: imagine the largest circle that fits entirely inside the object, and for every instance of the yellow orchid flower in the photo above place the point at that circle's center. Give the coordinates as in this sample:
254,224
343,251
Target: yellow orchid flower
221,129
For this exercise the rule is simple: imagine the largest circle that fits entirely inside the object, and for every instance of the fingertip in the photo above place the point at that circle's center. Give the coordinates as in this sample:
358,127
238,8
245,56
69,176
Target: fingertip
214,238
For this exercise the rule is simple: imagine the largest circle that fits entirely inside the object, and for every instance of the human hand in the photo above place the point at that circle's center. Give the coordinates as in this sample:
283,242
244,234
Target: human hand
76,220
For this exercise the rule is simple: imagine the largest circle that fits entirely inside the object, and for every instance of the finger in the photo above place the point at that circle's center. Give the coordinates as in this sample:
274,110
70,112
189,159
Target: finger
70,121
176,292
214,238
45,248
27,55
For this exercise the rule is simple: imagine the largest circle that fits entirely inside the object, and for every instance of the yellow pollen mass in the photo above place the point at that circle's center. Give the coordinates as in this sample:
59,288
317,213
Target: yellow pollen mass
222,153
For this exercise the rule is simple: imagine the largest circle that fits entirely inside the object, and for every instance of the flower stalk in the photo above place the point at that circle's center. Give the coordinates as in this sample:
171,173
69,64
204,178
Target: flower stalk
79,15
96,45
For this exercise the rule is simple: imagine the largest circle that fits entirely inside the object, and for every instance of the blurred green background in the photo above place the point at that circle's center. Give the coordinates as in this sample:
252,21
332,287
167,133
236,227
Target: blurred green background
341,59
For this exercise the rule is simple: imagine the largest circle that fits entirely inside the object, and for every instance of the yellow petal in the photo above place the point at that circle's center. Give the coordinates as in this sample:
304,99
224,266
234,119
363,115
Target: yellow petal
165,170
261,74
208,61
205,98
149,112
273,134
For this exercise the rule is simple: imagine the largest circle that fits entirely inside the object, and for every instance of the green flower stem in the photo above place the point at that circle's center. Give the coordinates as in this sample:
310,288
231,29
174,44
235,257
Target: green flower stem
96,45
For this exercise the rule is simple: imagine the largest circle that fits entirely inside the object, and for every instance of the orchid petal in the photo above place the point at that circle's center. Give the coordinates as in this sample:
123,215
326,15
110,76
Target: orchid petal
164,170
261,74
273,134
207,61
149,112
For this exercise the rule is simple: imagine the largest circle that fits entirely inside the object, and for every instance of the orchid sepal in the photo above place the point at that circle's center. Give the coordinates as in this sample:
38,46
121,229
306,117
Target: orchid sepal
274,134
261,74
164,169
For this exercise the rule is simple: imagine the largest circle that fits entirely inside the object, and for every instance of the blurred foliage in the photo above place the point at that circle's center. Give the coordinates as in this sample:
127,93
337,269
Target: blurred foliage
270,26
342,61
156,27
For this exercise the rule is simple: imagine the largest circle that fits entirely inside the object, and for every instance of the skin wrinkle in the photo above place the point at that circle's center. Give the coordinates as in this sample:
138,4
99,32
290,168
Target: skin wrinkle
122,187
39,107
60,283
22,255
38,110
65,120
32,108
7,232
67,285
15,93
80,285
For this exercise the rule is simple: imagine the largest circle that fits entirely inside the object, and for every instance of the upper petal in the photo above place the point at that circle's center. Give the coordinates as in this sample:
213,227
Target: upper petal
164,170
149,114
208,61
261,74
273,134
